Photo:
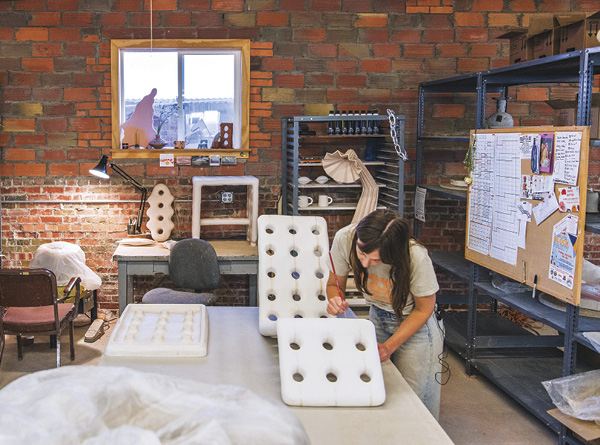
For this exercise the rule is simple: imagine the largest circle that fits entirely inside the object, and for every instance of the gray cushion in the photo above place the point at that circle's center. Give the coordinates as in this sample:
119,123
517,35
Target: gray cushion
162,295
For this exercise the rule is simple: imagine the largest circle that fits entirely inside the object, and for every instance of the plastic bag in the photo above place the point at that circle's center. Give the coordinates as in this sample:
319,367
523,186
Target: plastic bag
108,404
507,285
577,395
66,260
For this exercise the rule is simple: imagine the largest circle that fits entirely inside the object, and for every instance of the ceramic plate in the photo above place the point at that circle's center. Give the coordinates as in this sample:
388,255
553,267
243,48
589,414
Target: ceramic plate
136,242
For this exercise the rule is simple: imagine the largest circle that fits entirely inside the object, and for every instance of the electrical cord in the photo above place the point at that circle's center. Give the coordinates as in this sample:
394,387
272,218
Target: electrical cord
442,377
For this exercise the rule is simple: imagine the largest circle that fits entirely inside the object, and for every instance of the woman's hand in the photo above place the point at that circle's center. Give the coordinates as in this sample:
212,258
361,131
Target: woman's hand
337,306
384,352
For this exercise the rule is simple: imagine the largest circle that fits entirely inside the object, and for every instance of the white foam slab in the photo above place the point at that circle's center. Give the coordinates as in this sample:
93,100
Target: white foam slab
293,252
329,362
160,330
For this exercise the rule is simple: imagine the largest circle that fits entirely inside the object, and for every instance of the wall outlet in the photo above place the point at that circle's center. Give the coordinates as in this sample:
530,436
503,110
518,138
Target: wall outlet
227,197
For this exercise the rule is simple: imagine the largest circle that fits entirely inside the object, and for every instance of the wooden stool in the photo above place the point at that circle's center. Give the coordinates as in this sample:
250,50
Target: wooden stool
251,208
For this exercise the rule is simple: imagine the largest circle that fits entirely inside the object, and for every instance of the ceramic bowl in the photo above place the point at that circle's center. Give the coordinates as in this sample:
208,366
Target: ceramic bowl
322,179
303,180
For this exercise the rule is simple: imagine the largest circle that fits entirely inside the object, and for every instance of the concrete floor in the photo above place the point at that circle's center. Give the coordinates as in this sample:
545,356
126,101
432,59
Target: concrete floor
473,410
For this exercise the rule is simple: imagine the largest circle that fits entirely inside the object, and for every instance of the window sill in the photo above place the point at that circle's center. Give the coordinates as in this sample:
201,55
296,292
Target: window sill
143,153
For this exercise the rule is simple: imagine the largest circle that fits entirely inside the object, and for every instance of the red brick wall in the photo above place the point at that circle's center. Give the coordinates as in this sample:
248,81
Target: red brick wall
55,100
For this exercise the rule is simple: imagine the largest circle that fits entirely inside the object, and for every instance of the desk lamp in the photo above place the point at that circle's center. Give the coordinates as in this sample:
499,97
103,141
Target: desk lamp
100,171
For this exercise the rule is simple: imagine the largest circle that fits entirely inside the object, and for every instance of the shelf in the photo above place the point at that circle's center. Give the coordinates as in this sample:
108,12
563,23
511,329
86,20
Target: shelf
332,207
592,222
452,262
445,139
331,186
320,164
438,190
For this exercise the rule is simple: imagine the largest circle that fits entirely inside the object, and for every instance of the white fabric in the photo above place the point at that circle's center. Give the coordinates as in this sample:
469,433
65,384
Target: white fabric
423,281
113,405
66,260
292,269
329,362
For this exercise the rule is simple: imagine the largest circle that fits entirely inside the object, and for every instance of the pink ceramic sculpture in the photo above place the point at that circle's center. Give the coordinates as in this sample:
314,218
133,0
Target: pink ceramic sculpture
138,129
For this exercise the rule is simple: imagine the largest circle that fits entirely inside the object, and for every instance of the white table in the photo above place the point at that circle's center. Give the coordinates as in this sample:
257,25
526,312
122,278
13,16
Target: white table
239,355
235,258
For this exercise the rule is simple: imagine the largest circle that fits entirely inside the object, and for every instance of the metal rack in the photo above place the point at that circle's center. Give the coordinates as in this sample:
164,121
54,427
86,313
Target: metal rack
505,353
386,167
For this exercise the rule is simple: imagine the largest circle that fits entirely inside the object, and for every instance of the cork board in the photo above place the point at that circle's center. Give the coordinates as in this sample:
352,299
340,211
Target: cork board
523,264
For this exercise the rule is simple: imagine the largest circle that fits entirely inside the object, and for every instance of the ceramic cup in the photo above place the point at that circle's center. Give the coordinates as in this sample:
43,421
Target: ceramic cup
304,201
324,200
179,144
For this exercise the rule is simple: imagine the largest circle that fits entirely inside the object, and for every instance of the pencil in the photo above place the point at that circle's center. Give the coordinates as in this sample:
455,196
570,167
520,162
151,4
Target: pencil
337,283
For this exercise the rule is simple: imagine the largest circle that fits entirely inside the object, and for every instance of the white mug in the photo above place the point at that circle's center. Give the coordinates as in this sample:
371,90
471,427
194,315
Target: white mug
325,200
304,201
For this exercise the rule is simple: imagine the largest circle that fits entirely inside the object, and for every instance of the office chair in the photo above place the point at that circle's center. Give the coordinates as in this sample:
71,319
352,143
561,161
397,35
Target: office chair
30,306
192,265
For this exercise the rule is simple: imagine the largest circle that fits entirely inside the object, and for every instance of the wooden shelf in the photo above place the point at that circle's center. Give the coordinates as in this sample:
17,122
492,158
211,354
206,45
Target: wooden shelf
143,153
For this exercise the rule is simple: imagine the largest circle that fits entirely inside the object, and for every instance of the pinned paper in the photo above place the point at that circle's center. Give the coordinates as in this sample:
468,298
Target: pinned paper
167,160
562,255
568,199
420,193
545,208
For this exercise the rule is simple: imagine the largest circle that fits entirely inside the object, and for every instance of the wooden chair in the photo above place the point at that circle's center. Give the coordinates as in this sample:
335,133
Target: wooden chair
30,306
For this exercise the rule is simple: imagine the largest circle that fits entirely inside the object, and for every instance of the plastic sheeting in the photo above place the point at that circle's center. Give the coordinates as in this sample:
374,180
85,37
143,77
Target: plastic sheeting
66,260
99,405
577,395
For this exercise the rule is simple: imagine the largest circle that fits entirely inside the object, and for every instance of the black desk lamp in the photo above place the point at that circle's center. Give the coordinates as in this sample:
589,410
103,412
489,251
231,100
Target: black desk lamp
100,171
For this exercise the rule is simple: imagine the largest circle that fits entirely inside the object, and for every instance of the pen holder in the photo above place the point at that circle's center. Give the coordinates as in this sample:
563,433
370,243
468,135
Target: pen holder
130,229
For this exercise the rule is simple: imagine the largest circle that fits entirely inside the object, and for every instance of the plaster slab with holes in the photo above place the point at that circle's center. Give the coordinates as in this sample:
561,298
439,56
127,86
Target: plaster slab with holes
160,330
292,269
331,362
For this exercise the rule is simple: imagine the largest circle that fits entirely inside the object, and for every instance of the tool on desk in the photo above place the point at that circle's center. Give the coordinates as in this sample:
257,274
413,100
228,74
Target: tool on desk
337,283
534,286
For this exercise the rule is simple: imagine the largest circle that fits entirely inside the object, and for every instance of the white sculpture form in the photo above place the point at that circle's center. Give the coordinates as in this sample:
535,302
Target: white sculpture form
160,213
252,204
292,269
331,362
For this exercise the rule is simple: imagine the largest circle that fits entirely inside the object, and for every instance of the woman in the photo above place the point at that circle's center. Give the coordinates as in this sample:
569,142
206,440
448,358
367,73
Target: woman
396,277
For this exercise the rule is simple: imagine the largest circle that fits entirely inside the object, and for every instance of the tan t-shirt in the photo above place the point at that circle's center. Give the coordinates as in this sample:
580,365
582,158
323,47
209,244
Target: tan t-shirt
423,281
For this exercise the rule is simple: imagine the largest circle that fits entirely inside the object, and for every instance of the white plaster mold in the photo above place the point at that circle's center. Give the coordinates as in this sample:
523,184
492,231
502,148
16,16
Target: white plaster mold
160,212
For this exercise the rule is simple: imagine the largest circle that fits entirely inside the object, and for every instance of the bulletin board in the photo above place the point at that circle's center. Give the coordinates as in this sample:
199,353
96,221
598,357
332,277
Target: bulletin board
516,170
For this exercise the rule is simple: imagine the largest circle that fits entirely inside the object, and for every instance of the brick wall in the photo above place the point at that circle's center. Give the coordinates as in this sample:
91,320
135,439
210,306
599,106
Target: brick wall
55,101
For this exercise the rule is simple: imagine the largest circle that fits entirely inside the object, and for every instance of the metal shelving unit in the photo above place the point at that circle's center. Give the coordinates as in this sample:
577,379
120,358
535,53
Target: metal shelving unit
505,353
379,156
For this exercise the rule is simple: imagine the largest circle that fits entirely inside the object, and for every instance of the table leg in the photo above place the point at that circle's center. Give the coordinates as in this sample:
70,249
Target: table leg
252,281
123,285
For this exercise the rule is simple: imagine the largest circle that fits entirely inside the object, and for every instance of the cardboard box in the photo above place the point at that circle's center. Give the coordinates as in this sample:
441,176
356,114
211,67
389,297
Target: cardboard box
579,34
587,429
544,39
521,48
565,114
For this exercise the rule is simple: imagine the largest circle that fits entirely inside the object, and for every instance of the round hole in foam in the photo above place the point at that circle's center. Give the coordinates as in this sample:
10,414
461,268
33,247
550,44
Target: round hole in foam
323,316
293,230
273,317
271,273
296,297
331,377
295,346
161,218
365,377
160,205
322,297
160,231
319,274
271,297
297,377
327,345
270,251
295,275
161,192
298,316
318,252
316,231
360,346
294,253
269,230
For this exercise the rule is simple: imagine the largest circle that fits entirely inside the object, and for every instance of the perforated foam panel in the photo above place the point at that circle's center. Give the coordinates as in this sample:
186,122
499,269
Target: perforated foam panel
292,269
160,330
160,212
332,362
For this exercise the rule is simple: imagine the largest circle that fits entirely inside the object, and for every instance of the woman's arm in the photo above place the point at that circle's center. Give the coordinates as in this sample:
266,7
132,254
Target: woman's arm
335,304
412,323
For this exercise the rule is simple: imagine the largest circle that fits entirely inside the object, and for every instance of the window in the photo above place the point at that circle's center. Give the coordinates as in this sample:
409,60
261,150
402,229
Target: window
180,90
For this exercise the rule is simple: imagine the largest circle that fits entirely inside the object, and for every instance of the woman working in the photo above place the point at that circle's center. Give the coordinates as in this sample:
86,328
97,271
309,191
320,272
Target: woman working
396,277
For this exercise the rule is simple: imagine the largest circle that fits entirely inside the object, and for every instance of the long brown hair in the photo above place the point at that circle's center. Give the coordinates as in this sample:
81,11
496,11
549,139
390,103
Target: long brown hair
385,231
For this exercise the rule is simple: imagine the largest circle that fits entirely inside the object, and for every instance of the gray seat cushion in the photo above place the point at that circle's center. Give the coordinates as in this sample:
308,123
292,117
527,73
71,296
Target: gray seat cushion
162,295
